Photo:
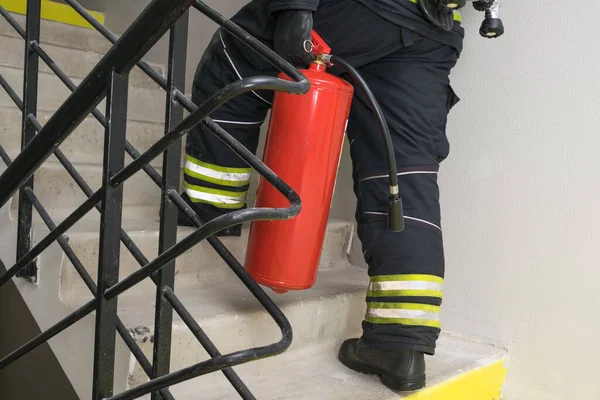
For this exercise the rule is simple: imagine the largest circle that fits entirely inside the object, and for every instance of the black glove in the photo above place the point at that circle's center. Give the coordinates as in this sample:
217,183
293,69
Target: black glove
293,29
482,5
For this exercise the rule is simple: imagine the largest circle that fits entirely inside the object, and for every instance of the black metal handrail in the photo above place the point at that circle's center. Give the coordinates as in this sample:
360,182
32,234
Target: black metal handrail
110,76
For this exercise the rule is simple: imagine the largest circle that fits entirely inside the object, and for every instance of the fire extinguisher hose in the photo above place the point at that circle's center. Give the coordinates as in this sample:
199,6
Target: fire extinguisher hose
395,211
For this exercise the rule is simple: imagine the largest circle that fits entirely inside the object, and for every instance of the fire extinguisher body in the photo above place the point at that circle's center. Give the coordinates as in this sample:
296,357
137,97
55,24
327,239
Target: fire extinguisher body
303,146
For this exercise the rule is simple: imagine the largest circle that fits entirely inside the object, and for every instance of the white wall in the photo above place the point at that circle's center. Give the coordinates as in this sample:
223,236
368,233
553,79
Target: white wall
521,197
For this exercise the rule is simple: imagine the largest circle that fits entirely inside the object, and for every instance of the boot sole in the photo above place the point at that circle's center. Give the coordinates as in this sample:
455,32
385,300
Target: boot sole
392,382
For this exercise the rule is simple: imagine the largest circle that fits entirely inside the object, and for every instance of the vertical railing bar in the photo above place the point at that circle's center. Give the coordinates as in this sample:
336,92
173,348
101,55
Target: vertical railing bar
110,243
30,93
165,278
208,345
17,27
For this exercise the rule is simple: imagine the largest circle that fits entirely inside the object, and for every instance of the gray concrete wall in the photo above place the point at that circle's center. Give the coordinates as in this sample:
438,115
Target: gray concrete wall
37,375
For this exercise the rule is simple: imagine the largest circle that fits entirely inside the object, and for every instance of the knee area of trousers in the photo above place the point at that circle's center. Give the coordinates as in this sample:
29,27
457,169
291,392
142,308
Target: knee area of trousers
417,248
418,189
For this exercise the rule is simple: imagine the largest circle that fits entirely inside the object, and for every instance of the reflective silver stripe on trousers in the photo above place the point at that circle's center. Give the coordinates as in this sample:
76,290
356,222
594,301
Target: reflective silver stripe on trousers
235,69
399,313
407,217
416,172
215,198
224,176
405,285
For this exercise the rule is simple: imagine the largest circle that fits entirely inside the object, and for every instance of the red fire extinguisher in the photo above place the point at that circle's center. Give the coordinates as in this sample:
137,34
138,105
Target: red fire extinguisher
303,146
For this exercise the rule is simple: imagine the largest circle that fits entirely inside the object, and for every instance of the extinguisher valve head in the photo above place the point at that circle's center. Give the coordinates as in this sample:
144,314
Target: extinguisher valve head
395,214
324,58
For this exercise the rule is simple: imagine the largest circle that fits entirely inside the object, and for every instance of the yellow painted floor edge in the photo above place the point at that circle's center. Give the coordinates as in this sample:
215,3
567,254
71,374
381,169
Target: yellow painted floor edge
53,11
484,383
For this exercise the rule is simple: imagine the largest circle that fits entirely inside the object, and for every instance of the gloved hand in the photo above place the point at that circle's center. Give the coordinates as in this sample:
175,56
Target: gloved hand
482,5
293,28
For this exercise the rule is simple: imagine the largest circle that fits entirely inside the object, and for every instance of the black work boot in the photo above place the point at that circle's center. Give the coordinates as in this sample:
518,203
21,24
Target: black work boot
399,370
206,213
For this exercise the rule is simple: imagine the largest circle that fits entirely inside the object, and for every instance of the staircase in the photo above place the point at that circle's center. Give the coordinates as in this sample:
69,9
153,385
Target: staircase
321,317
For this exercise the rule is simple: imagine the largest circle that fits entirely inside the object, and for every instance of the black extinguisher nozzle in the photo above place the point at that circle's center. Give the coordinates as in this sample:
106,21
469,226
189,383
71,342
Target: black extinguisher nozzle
395,214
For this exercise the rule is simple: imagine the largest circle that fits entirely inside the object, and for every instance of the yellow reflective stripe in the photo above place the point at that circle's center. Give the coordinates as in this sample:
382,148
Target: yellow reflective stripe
403,321
457,15
405,306
216,197
405,293
217,167
407,277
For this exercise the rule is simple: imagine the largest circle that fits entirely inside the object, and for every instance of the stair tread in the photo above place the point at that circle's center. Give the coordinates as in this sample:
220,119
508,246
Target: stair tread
85,145
314,372
231,297
76,63
144,104
135,218
60,34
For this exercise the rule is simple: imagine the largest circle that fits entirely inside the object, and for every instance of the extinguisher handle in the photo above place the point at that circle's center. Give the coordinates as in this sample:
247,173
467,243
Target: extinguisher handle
319,45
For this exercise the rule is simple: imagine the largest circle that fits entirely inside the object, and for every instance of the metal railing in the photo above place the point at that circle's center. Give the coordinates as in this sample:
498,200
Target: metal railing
109,79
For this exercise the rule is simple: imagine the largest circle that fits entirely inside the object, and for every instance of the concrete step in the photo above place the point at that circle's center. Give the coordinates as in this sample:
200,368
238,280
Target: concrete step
73,62
143,104
57,190
86,144
201,265
461,369
234,320
60,34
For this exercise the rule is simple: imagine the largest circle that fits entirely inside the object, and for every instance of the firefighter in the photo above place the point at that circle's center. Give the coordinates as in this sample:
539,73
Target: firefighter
405,50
